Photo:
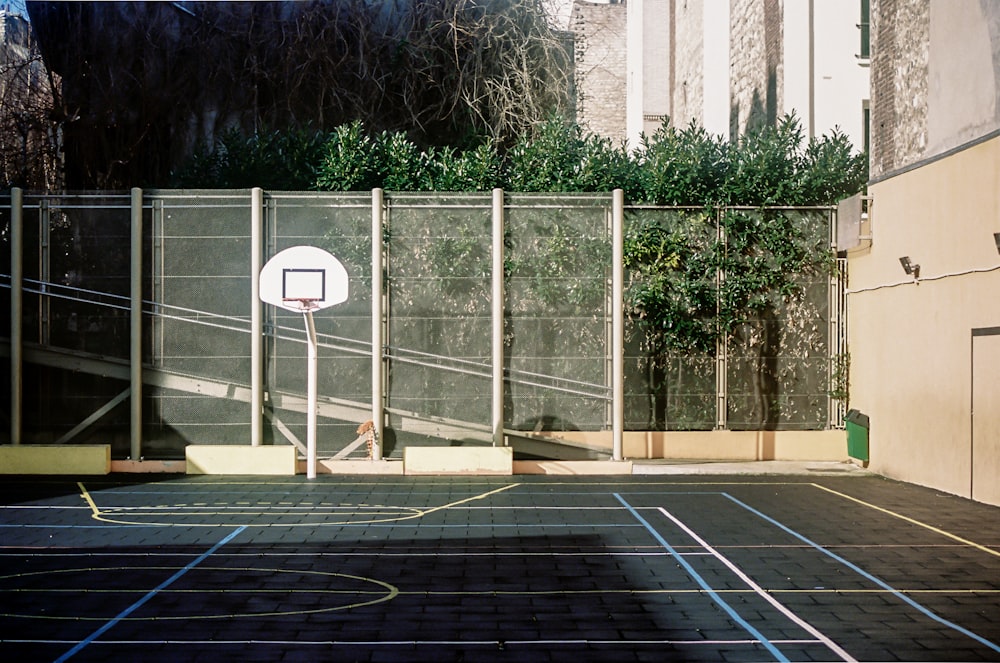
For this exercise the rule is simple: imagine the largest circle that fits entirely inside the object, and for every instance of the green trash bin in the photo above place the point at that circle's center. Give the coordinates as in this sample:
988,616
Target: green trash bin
857,434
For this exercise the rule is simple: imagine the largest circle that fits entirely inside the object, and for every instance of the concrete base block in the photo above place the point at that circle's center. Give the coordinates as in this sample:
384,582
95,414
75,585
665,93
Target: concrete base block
821,445
352,467
570,467
149,466
55,459
458,460
230,459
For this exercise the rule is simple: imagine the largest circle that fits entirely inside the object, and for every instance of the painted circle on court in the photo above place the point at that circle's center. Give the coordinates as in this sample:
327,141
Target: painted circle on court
255,515
203,592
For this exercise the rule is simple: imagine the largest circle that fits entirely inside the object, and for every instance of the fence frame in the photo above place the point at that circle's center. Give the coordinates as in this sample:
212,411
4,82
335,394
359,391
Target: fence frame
837,341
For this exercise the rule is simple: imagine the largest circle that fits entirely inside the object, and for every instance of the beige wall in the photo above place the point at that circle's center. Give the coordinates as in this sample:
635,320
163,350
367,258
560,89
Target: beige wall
911,342
963,72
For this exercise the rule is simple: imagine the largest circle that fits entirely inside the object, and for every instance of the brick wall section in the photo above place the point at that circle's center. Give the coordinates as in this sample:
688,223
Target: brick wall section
899,83
755,63
600,56
688,102
656,63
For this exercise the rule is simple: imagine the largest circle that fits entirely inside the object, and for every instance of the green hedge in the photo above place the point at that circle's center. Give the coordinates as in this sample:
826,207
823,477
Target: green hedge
674,166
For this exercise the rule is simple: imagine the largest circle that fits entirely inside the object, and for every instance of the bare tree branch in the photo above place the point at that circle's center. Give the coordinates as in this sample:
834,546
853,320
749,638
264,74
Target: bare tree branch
177,75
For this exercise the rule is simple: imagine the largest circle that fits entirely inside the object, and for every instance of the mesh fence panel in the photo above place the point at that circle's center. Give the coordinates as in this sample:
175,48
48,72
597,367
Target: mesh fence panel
559,268
201,288
76,284
779,359
439,330
670,364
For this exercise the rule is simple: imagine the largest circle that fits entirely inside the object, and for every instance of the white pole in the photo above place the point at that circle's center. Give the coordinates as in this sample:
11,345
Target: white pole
497,318
617,325
313,360
378,415
256,317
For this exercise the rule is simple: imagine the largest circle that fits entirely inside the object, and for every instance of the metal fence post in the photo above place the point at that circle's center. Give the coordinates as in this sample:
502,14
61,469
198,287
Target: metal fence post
16,311
496,314
256,317
378,341
722,340
135,328
617,324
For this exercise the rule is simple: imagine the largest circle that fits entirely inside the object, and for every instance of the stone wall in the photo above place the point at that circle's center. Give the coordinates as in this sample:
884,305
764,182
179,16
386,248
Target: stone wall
688,101
899,45
657,45
600,57
755,67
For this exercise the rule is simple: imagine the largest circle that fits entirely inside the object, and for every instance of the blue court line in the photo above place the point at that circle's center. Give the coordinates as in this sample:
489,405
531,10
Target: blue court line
884,585
138,604
757,635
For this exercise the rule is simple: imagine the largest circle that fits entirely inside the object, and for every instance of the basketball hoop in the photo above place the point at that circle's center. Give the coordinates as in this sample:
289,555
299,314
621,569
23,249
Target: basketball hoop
304,304
303,279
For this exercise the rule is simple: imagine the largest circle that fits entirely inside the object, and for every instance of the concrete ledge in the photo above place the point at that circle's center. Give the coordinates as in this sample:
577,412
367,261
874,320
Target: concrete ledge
458,460
55,459
149,466
749,468
232,459
821,445
573,467
355,467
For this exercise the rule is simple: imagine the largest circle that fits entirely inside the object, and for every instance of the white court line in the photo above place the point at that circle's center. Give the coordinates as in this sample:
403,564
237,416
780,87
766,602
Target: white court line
760,591
411,643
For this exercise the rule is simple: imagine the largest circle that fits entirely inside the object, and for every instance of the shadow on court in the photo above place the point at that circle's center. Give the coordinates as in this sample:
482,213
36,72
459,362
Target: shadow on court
495,569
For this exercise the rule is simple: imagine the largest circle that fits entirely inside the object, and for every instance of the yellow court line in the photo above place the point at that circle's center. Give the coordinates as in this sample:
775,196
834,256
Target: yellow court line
85,494
105,516
463,501
912,521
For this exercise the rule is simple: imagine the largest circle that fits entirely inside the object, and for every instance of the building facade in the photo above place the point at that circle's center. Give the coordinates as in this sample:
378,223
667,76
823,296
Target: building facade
726,66
924,316
599,31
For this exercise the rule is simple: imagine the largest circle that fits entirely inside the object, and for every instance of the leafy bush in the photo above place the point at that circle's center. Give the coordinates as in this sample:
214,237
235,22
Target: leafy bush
478,169
683,167
558,157
283,161
350,161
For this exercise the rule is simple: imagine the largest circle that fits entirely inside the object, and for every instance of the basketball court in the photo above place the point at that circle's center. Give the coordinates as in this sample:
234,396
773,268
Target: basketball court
705,568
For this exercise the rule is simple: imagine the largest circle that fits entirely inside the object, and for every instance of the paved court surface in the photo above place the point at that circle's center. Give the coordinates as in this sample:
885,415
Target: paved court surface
523,568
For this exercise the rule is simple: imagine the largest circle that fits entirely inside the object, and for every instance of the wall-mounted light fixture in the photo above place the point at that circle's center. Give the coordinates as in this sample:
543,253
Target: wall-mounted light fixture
909,267
996,239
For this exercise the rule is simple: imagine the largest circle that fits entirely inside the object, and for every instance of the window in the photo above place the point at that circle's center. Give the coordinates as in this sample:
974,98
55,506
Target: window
866,129
865,28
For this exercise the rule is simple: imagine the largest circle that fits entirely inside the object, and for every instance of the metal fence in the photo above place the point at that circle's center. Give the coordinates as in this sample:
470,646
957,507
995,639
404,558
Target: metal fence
70,291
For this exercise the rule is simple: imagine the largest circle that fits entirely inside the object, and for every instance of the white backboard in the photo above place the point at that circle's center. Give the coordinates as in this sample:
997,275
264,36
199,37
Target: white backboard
303,273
